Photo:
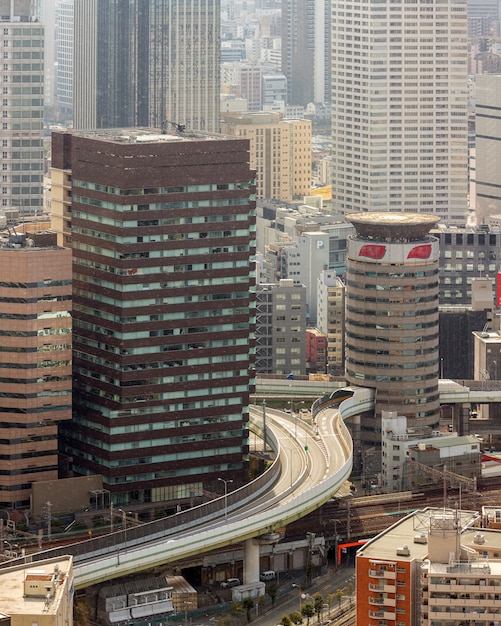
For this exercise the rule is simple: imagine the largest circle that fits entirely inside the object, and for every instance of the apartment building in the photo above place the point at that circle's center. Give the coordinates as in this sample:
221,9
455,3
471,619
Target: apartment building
434,567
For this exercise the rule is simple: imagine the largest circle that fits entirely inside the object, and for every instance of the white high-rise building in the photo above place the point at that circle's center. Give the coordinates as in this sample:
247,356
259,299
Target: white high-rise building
488,152
400,106
22,105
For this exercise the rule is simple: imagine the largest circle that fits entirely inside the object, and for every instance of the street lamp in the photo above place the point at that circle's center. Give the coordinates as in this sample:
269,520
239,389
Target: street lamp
300,595
124,524
226,482
10,547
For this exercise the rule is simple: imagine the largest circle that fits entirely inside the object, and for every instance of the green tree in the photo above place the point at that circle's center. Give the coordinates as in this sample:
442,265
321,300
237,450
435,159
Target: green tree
248,605
272,590
349,591
98,520
318,604
223,620
236,609
308,610
286,621
339,596
330,598
296,617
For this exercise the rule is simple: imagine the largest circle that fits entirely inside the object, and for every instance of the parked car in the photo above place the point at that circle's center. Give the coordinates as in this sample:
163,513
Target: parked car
231,582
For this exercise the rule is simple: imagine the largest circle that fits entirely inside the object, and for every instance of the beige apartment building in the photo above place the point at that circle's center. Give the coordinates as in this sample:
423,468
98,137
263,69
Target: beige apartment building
280,152
38,593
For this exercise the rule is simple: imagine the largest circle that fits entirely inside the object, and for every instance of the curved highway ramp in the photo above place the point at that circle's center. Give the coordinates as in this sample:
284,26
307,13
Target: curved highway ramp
311,465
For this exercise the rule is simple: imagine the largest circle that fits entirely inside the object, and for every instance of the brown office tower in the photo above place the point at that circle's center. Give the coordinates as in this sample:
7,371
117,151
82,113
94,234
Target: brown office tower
163,241
35,361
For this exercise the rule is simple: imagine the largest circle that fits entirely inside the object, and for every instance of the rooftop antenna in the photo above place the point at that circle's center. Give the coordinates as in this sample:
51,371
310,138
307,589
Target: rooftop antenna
180,128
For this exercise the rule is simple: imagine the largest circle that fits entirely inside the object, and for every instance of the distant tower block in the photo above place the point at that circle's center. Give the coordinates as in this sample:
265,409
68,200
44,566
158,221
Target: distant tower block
392,312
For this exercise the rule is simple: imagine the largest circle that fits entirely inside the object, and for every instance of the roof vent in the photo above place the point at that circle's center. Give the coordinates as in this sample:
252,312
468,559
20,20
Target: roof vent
479,538
404,550
422,538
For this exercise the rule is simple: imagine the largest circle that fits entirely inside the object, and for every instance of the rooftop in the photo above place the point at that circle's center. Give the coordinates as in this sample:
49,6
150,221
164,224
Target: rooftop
46,581
169,133
392,226
417,524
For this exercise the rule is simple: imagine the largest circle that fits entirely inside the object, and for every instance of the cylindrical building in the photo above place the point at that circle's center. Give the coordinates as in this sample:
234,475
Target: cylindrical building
392,313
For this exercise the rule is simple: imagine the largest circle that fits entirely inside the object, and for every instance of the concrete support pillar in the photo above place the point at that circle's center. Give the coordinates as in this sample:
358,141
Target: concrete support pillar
251,562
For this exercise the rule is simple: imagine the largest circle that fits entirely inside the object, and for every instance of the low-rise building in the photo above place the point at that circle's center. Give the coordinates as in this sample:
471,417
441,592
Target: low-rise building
434,567
38,593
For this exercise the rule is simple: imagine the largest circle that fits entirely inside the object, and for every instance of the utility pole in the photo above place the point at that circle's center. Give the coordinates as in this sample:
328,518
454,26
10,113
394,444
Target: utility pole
49,519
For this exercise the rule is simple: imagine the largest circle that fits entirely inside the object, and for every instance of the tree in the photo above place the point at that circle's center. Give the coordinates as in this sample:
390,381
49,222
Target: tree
308,610
236,609
318,604
248,605
349,591
272,590
296,617
286,621
339,596
330,598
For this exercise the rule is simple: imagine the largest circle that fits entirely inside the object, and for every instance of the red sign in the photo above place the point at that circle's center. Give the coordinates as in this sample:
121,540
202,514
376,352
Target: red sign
420,252
373,251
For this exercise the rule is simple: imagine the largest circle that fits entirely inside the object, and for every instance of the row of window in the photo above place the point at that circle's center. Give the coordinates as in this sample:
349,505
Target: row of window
144,302
161,190
156,206
214,361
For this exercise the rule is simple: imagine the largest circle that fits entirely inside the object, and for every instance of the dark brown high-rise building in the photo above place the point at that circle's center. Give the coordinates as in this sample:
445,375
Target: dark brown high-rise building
163,240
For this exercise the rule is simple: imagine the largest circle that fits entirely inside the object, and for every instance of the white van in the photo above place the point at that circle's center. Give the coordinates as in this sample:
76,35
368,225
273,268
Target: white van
267,576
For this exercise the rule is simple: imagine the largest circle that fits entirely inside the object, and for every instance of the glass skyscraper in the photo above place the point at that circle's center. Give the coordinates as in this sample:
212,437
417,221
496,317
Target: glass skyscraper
146,63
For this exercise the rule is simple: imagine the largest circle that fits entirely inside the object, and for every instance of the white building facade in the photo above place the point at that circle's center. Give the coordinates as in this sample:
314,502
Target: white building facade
400,107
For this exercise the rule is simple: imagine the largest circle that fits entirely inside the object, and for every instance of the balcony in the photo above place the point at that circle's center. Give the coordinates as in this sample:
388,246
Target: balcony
383,601
382,588
386,615
389,575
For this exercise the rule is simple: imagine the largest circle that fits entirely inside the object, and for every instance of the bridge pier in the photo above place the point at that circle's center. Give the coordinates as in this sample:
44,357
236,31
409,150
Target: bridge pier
251,561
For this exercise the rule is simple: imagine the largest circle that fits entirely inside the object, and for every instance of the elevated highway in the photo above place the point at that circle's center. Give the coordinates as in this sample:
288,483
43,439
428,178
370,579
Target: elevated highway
311,465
